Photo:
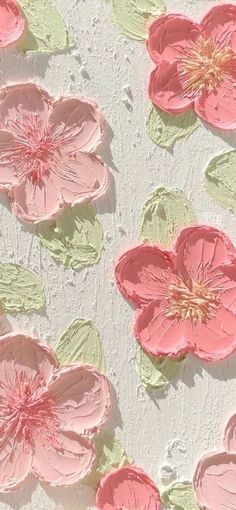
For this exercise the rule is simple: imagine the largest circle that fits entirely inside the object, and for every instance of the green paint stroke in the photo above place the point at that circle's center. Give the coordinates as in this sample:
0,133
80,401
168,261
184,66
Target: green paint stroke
180,496
134,16
155,372
75,238
46,29
20,289
220,180
164,128
164,214
81,343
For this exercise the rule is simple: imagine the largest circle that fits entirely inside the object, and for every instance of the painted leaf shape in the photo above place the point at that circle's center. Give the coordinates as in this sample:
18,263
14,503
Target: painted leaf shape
46,29
165,129
155,372
180,496
75,238
164,214
220,180
134,16
20,289
81,343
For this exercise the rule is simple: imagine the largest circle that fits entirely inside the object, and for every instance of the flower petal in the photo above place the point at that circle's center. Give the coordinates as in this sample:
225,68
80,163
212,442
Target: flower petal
216,339
81,179
228,295
78,124
160,335
169,37
215,481
15,462
166,91
219,106
230,435
127,487
82,397
8,156
220,25
12,23
63,464
141,273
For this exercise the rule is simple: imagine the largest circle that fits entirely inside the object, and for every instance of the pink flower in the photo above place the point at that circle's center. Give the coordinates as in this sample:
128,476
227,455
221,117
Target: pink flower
48,414
186,298
12,23
47,149
215,476
127,488
196,65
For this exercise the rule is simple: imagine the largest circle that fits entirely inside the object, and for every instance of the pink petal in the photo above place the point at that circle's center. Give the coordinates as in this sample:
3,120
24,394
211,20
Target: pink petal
215,482
169,37
64,463
215,340
78,123
8,156
142,273
129,488
12,23
228,295
220,25
219,107
230,435
36,202
201,249
82,179
82,397
166,91
15,463
160,335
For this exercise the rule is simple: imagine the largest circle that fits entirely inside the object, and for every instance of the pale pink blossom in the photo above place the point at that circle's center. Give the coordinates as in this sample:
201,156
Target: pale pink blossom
12,23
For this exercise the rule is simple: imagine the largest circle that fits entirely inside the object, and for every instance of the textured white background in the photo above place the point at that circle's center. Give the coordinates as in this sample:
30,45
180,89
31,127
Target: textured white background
189,418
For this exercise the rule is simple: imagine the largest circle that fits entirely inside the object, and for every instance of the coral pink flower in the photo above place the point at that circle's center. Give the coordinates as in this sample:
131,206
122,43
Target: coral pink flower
48,414
12,23
127,488
186,298
215,476
196,65
47,152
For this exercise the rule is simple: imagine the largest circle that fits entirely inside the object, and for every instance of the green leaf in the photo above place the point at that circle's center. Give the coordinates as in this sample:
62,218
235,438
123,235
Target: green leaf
81,343
164,128
20,289
164,214
155,372
46,29
180,496
134,16
220,180
75,238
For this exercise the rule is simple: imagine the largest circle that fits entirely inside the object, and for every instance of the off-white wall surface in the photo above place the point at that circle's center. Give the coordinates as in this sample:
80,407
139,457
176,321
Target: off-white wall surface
158,429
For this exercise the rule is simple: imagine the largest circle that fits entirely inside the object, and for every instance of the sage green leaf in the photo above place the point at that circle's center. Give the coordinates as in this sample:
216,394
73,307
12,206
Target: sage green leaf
20,289
180,496
220,180
164,128
164,214
75,238
46,31
134,16
155,372
81,343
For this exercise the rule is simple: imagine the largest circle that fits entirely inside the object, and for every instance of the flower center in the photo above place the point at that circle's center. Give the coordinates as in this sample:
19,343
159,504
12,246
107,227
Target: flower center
204,66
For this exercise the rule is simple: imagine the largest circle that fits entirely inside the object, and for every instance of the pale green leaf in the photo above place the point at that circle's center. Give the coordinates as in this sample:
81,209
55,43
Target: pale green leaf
180,496
75,238
155,372
220,180
134,16
81,343
164,128
46,30
20,289
164,214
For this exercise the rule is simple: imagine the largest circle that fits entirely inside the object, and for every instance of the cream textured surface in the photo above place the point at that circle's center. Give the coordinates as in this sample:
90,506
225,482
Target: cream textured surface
172,430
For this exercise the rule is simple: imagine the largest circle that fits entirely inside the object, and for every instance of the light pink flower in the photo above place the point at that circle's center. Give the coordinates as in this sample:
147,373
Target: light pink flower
12,23
186,298
127,488
196,65
215,476
48,414
48,151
